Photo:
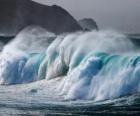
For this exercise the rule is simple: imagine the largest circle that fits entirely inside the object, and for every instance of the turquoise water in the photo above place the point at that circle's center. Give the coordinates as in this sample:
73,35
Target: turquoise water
72,78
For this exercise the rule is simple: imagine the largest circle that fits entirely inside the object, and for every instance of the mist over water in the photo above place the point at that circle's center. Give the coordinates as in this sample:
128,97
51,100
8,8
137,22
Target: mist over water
92,65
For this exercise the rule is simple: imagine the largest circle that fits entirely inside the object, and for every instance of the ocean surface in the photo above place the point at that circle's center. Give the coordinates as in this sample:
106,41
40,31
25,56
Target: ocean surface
18,101
84,73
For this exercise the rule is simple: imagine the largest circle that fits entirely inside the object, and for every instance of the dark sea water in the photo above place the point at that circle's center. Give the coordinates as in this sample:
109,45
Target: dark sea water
22,100
17,100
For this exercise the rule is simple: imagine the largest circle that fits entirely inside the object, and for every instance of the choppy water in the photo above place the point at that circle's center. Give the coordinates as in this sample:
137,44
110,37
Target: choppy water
23,100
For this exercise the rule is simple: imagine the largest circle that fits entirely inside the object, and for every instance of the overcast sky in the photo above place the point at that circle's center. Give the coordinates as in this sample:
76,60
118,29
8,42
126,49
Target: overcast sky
121,15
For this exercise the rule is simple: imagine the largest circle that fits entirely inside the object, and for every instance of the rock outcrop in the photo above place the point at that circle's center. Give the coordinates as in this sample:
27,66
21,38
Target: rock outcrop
17,14
88,24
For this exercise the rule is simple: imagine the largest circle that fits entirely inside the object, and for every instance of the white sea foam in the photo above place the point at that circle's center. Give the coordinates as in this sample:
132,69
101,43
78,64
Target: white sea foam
95,65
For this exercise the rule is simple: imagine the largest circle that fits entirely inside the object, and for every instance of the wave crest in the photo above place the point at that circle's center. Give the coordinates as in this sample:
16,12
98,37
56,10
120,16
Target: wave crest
96,65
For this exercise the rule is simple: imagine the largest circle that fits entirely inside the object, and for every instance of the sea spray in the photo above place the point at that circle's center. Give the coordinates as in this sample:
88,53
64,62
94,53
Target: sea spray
32,39
72,49
114,76
11,66
30,71
15,59
94,64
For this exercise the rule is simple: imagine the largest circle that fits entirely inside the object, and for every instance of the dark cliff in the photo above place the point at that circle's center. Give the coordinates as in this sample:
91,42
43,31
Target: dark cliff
17,14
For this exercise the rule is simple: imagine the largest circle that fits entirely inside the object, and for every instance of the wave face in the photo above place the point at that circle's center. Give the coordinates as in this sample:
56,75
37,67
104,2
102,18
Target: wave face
95,65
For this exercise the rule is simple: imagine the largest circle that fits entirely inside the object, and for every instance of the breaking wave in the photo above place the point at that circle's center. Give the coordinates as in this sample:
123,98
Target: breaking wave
94,65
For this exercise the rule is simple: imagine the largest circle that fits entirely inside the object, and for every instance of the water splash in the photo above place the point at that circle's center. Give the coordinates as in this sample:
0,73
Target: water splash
96,65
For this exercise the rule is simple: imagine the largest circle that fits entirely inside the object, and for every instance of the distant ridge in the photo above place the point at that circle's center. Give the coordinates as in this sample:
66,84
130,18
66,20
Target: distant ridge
88,24
17,14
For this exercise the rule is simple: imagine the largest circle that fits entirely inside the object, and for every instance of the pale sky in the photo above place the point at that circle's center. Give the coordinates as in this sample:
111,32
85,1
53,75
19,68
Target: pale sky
121,15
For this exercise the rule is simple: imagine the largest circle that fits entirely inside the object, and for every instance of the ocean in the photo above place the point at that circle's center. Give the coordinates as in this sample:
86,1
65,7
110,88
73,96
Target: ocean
83,73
